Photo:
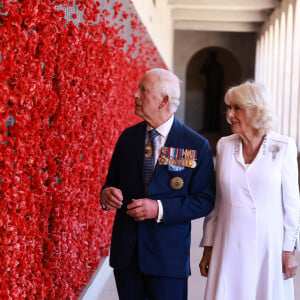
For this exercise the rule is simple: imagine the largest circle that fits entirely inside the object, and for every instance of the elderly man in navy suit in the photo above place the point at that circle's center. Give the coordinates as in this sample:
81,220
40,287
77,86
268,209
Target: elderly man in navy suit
161,177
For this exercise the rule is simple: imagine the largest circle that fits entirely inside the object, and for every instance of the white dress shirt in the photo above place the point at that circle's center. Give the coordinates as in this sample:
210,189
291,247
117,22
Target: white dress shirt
160,141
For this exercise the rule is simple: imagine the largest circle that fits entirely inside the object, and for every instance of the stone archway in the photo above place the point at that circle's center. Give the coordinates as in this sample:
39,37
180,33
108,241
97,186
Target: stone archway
210,72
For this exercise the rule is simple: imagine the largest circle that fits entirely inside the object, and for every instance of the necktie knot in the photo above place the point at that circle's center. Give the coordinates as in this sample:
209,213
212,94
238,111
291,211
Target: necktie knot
153,134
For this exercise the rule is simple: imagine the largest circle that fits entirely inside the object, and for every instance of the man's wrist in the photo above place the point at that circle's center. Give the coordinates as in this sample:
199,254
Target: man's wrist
103,206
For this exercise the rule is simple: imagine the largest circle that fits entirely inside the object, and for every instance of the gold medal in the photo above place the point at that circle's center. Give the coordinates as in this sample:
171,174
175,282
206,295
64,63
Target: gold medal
148,151
176,183
188,163
163,160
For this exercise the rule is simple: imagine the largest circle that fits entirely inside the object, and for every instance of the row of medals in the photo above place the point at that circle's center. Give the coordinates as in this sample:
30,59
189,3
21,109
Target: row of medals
176,183
185,162
163,160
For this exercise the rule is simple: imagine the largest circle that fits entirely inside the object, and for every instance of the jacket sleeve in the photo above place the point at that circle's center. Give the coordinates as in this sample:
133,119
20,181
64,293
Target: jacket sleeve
112,178
290,195
210,221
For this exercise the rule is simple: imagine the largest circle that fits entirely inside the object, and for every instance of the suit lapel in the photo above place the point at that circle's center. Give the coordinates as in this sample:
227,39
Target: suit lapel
174,134
172,140
139,148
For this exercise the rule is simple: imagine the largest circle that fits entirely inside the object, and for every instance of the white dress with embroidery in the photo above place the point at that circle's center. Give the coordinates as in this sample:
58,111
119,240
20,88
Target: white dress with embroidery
256,216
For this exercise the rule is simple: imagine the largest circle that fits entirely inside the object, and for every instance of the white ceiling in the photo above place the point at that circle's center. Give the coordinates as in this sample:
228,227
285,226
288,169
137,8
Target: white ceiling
221,15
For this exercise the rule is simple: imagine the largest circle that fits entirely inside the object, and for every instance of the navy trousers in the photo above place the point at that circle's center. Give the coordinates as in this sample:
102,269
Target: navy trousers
132,284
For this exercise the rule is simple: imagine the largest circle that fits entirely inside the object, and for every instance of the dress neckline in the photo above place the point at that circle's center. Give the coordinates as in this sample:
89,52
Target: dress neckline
238,151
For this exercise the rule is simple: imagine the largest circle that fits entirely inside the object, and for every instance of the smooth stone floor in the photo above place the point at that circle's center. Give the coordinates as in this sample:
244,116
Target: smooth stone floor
196,281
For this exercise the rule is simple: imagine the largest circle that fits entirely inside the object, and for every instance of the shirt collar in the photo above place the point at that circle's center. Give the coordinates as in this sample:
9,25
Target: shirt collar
164,128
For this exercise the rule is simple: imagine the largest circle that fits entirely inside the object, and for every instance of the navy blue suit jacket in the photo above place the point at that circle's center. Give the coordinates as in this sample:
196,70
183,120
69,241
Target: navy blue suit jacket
163,248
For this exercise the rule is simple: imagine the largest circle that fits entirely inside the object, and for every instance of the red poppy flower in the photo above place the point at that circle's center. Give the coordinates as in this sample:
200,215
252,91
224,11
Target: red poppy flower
63,105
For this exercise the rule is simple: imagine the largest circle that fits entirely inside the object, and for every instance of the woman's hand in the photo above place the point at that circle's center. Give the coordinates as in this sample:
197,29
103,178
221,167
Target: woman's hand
205,261
289,264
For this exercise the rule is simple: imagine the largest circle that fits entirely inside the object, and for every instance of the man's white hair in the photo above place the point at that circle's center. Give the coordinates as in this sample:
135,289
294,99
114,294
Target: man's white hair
168,84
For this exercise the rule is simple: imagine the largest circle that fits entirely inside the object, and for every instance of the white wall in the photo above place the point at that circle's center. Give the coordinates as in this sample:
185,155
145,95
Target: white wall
98,281
278,66
188,43
157,19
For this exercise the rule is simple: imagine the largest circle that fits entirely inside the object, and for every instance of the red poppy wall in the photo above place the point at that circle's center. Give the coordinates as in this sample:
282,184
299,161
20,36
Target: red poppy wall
67,74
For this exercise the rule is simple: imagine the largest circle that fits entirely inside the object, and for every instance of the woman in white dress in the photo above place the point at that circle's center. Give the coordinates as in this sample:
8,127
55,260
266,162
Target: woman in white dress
250,237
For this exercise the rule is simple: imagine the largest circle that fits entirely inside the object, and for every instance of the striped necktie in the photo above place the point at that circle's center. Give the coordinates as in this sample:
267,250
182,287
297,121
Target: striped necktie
149,157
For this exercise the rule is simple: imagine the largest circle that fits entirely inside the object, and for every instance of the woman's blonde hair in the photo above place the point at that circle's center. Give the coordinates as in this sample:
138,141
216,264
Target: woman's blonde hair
255,99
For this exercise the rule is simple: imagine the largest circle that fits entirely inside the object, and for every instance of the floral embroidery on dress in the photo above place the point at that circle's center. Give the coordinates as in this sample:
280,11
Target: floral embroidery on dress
274,149
237,147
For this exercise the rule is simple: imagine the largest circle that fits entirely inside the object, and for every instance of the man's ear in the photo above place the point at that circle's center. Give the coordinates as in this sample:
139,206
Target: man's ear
164,101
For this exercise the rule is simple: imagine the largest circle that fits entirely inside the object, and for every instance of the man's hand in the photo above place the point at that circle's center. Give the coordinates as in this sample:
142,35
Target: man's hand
205,261
112,198
289,264
141,209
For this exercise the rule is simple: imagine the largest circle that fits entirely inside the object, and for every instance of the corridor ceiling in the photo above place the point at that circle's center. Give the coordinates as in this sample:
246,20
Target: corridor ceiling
221,15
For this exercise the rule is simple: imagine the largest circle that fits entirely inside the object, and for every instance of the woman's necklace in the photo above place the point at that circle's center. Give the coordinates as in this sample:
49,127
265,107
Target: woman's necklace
250,156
